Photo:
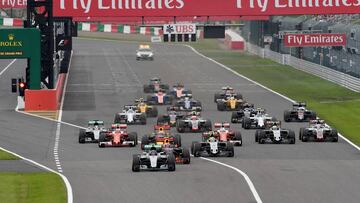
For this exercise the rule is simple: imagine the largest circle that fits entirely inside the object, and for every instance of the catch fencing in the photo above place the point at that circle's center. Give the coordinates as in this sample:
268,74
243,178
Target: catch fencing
324,72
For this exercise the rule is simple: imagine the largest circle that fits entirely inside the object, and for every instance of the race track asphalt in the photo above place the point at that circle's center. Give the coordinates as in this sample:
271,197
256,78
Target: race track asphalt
104,76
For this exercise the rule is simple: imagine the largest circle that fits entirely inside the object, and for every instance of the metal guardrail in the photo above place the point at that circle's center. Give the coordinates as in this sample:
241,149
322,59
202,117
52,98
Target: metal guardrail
324,72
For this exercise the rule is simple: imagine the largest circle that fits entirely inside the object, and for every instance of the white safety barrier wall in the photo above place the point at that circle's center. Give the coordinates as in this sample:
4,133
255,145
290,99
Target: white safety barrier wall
324,72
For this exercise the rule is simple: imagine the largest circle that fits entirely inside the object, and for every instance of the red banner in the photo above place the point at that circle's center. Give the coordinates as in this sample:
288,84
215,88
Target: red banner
154,8
314,40
166,20
13,3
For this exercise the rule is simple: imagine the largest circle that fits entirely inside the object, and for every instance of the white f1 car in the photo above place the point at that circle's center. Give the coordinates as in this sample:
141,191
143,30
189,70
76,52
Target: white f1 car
318,131
130,116
275,134
193,123
257,121
153,158
92,133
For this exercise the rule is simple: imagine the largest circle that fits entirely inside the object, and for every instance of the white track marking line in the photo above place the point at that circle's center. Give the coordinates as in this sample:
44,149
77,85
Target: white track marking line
242,76
246,177
8,66
70,197
66,181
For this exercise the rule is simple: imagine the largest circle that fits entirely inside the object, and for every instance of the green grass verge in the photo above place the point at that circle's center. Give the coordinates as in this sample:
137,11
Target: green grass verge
31,188
7,156
339,106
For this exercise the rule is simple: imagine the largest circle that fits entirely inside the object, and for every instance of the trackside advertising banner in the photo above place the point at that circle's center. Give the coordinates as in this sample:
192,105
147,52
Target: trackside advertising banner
13,3
112,8
315,40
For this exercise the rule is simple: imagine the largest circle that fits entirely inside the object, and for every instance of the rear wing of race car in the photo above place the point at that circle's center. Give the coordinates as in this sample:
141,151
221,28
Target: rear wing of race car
153,147
186,95
127,107
96,122
299,104
222,125
227,88
270,123
316,121
162,128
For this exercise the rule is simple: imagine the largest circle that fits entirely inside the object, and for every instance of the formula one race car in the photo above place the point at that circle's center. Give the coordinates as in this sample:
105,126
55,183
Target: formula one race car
170,118
225,134
274,134
227,91
238,116
130,116
299,113
212,147
178,91
159,138
182,155
318,131
187,103
143,107
230,104
160,98
153,158
155,85
144,53
193,123
92,132
118,136
257,121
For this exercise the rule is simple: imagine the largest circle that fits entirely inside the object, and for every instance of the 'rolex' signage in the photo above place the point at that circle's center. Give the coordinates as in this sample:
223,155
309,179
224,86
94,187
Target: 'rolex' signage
11,42
25,44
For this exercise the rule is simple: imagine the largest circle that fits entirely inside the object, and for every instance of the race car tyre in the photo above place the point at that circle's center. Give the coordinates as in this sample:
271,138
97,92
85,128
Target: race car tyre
301,133
162,119
177,140
313,115
208,125
186,156
143,119
180,126
102,138
221,106
230,149
117,118
197,149
82,136
171,99
292,138
154,112
136,163
149,100
147,89
193,146
304,138
334,135
133,137
234,117
238,137
217,96
257,132
261,139
144,141
246,123
287,117
171,162
239,96
164,87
